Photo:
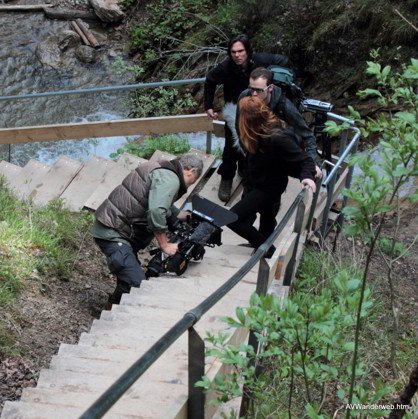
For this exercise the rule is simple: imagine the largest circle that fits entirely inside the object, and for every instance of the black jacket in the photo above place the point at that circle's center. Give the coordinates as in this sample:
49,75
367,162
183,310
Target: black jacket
234,78
276,158
287,111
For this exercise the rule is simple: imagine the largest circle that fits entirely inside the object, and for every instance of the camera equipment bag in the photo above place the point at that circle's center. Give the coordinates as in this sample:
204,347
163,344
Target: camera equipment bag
285,79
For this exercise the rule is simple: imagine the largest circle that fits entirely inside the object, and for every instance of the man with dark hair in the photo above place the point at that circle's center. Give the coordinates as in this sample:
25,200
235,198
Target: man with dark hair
136,211
234,74
261,85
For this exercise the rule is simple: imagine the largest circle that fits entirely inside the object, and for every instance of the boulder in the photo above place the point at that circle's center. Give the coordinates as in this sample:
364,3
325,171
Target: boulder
48,52
67,39
107,10
87,54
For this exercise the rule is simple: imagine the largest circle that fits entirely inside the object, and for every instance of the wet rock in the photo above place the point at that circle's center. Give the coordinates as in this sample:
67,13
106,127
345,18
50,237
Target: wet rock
48,52
107,10
68,39
87,54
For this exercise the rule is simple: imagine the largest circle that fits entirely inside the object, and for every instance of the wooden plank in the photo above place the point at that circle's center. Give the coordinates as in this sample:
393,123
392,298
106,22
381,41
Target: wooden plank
113,177
9,171
85,182
30,176
54,183
319,212
25,8
210,190
162,155
139,126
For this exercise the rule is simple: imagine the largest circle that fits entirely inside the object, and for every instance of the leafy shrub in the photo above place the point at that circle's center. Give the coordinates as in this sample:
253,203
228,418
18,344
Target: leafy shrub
161,101
169,143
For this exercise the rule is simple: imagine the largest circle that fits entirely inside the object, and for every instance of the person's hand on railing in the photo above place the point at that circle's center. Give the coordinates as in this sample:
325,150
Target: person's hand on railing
309,183
318,172
212,115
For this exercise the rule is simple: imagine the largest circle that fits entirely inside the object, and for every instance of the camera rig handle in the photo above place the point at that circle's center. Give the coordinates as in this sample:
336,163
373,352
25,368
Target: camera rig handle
203,229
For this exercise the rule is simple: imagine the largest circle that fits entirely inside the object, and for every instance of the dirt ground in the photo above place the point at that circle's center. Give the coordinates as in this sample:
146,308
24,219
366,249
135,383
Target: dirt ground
48,312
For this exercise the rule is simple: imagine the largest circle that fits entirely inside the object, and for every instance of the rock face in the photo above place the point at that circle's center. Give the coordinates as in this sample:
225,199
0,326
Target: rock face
86,54
107,10
49,52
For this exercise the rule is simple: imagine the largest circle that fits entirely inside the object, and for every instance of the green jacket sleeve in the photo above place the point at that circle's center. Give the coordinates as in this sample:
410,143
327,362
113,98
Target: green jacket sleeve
163,190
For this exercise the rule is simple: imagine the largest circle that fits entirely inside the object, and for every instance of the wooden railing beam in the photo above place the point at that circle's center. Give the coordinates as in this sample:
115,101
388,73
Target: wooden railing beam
139,126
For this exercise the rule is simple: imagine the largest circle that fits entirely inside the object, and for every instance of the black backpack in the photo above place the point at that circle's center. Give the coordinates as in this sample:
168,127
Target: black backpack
285,79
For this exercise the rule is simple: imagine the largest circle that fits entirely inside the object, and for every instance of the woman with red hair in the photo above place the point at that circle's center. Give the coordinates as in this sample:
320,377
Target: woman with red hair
271,156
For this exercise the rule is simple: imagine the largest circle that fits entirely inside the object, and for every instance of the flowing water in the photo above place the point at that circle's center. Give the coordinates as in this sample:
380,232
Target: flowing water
21,73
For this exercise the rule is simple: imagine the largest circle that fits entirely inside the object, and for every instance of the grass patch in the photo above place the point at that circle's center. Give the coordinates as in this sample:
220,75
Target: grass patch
35,241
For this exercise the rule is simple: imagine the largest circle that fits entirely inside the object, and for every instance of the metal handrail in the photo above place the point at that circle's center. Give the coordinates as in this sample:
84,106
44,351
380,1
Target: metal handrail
104,89
120,386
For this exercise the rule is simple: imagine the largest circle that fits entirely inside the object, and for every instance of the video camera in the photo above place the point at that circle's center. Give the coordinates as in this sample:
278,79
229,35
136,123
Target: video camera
313,105
203,228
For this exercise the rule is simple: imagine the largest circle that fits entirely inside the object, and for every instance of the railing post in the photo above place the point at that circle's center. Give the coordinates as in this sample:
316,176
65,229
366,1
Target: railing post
340,220
325,217
343,142
298,229
196,401
208,142
318,183
262,286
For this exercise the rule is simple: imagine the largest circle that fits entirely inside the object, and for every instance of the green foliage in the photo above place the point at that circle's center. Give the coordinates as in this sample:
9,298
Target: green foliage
122,68
169,143
160,101
306,346
34,240
377,190
386,245
166,25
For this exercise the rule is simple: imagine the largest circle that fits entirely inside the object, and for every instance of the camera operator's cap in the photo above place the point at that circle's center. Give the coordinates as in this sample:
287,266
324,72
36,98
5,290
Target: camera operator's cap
221,215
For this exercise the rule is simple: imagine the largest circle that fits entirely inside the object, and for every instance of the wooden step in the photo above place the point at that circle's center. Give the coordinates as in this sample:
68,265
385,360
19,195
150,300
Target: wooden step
54,183
86,182
30,176
9,171
115,355
143,391
210,190
132,342
113,177
124,407
29,410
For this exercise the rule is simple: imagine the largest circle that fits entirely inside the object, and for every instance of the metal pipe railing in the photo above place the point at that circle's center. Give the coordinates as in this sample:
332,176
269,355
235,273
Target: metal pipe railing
120,386
104,89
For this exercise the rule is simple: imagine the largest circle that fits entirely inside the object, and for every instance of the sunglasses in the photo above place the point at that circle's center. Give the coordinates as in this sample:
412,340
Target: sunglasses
258,90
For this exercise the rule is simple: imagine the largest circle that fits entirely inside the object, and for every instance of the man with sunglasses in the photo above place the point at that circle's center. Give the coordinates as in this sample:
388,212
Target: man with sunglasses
234,75
261,85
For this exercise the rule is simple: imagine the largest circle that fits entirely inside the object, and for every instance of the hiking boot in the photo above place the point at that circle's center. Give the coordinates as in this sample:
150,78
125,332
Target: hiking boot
224,192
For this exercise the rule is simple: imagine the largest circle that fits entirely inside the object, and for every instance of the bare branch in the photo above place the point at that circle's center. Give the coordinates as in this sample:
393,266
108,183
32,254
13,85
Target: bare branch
405,19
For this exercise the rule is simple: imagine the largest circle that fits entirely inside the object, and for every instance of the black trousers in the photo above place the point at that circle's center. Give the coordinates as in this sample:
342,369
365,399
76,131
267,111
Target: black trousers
230,157
122,261
254,201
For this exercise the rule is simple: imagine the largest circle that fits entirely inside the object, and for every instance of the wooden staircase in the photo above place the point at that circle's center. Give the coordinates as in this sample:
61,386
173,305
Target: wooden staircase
80,373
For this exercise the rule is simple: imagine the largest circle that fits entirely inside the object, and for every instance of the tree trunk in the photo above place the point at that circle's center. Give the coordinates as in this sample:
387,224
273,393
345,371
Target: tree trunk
69,14
406,396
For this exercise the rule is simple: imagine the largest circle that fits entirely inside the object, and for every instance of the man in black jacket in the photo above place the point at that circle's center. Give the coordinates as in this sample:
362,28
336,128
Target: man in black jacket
261,85
234,74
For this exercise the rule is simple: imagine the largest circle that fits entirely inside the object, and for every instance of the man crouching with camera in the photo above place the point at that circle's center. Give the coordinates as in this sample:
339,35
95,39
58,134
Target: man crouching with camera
136,211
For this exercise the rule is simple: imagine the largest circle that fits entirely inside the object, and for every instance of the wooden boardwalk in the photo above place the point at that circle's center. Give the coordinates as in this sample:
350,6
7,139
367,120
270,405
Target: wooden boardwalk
80,373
